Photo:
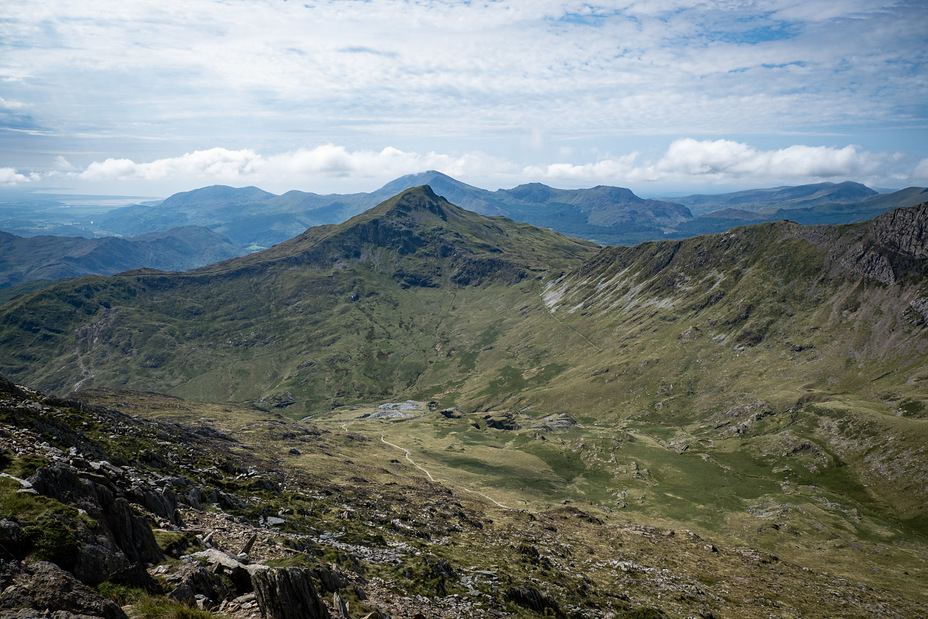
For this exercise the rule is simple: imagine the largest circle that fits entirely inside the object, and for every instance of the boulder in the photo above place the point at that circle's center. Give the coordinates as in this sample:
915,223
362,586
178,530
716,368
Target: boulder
288,593
12,539
533,599
9,387
193,580
46,588
332,579
236,572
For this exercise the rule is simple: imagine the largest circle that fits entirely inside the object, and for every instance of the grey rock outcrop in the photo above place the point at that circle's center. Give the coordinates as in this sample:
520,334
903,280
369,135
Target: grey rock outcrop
161,503
288,593
870,264
904,231
122,537
332,579
531,598
194,580
893,243
47,589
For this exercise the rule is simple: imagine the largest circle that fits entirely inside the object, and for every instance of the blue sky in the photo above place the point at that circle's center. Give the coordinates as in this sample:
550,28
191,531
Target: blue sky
663,96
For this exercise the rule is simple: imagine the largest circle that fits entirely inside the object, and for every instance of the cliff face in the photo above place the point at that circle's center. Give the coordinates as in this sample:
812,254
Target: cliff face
890,248
904,231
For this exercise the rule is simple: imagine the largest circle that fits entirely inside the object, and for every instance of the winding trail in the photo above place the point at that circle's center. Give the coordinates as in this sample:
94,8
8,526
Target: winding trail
407,457
406,451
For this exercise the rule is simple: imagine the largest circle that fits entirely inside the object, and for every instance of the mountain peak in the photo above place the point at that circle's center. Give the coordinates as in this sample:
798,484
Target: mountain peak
419,238
419,199
439,181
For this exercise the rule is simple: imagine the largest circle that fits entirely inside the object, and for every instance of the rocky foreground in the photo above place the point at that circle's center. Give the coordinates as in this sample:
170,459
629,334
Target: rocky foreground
104,514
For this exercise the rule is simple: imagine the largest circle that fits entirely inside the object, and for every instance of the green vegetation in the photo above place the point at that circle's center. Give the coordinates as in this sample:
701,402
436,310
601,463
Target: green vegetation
159,607
48,528
763,388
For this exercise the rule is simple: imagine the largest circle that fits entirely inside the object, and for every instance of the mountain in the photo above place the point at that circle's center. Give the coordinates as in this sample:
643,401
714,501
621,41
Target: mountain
466,196
607,215
378,280
53,258
763,388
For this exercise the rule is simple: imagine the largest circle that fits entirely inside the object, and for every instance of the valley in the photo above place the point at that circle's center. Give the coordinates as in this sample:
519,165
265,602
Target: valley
501,529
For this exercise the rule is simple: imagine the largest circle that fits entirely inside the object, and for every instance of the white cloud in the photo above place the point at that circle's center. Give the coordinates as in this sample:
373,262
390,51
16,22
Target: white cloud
60,164
688,161
292,169
618,168
725,158
10,176
920,173
215,163
11,105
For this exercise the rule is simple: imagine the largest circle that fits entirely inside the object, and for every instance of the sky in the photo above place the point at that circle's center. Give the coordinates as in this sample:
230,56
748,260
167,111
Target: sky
665,97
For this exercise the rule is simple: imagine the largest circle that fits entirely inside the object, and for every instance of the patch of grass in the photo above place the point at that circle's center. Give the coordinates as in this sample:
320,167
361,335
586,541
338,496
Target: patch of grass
53,539
176,543
121,594
300,560
25,465
159,607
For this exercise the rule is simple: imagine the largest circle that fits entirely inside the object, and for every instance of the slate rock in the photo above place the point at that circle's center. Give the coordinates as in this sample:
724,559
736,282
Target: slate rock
332,580
195,580
122,537
44,587
531,598
288,593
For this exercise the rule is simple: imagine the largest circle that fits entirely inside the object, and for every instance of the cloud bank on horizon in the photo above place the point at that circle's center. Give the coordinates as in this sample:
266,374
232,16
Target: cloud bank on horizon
341,95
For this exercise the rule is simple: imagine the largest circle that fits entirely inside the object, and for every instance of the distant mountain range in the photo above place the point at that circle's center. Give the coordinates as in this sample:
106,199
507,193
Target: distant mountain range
55,258
779,198
194,228
255,218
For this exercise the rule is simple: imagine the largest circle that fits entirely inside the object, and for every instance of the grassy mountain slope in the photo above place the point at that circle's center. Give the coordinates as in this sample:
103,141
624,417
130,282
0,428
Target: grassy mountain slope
353,311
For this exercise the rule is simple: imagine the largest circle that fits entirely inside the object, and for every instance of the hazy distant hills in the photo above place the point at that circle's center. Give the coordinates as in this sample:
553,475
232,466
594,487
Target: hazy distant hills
779,198
822,203
607,215
56,258
249,216
252,217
